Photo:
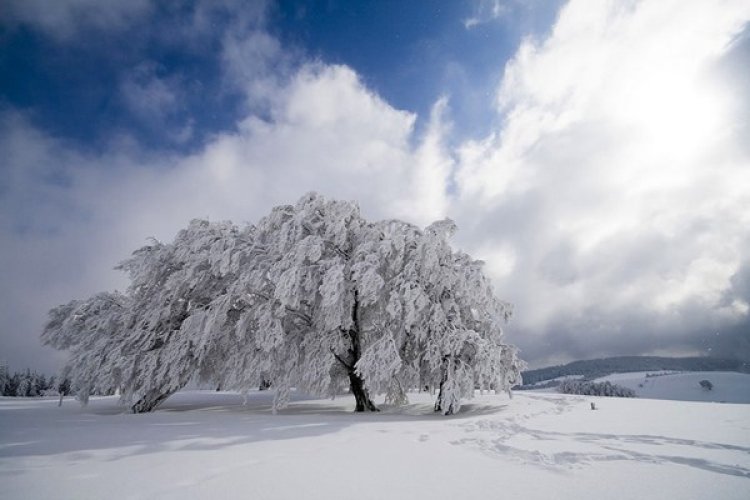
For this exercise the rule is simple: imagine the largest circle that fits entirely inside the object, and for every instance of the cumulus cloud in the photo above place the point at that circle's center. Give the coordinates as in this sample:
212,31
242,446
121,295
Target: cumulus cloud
618,179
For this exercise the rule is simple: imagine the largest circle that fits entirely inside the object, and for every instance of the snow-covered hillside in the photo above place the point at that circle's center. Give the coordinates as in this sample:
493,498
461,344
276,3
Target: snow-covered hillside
204,444
728,387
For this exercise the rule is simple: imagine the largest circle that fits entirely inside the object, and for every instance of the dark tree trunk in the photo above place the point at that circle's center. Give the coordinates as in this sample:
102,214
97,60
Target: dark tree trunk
439,401
362,398
150,401
356,384
440,404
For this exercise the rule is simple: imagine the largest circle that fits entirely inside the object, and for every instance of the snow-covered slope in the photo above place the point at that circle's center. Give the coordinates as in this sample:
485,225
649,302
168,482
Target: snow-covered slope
728,387
535,446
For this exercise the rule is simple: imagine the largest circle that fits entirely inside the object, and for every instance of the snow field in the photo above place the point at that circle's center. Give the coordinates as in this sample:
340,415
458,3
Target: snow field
728,387
204,444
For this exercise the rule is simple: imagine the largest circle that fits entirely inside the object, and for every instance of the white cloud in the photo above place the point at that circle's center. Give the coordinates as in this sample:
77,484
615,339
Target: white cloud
147,95
62,19
619,152
155,102
486,11
256,64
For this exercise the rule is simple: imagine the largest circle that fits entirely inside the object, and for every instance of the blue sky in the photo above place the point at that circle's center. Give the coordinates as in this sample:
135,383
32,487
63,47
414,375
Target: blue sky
593,153
410,53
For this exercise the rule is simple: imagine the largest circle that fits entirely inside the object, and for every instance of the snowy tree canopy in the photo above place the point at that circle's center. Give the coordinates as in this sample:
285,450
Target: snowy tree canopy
313,297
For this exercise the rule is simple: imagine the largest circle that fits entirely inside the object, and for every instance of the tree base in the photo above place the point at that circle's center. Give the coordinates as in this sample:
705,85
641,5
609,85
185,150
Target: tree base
440,404
361,397
149,402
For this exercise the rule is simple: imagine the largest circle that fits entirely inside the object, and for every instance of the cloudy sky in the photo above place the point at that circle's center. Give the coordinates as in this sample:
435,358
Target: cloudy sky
595,153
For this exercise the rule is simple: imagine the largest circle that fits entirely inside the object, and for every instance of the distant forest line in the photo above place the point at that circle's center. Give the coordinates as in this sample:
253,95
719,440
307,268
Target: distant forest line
594,368
29,383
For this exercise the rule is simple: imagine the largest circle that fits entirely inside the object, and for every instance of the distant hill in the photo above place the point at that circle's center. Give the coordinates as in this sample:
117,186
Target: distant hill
725,387
594,368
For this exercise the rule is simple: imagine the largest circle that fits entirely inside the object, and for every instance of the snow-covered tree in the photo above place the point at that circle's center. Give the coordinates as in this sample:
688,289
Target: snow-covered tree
30,384
464,326
4,377
151,341
306,295
313,297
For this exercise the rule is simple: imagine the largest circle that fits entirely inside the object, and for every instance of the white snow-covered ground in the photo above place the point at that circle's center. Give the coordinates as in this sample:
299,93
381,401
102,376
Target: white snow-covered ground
728,387
203,444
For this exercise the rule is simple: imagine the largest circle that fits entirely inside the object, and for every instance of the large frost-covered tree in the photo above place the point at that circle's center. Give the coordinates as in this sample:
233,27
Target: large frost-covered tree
313,297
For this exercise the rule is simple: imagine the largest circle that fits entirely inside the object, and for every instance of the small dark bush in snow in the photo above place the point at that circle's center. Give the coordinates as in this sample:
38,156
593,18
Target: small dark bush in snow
595,389
706,384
